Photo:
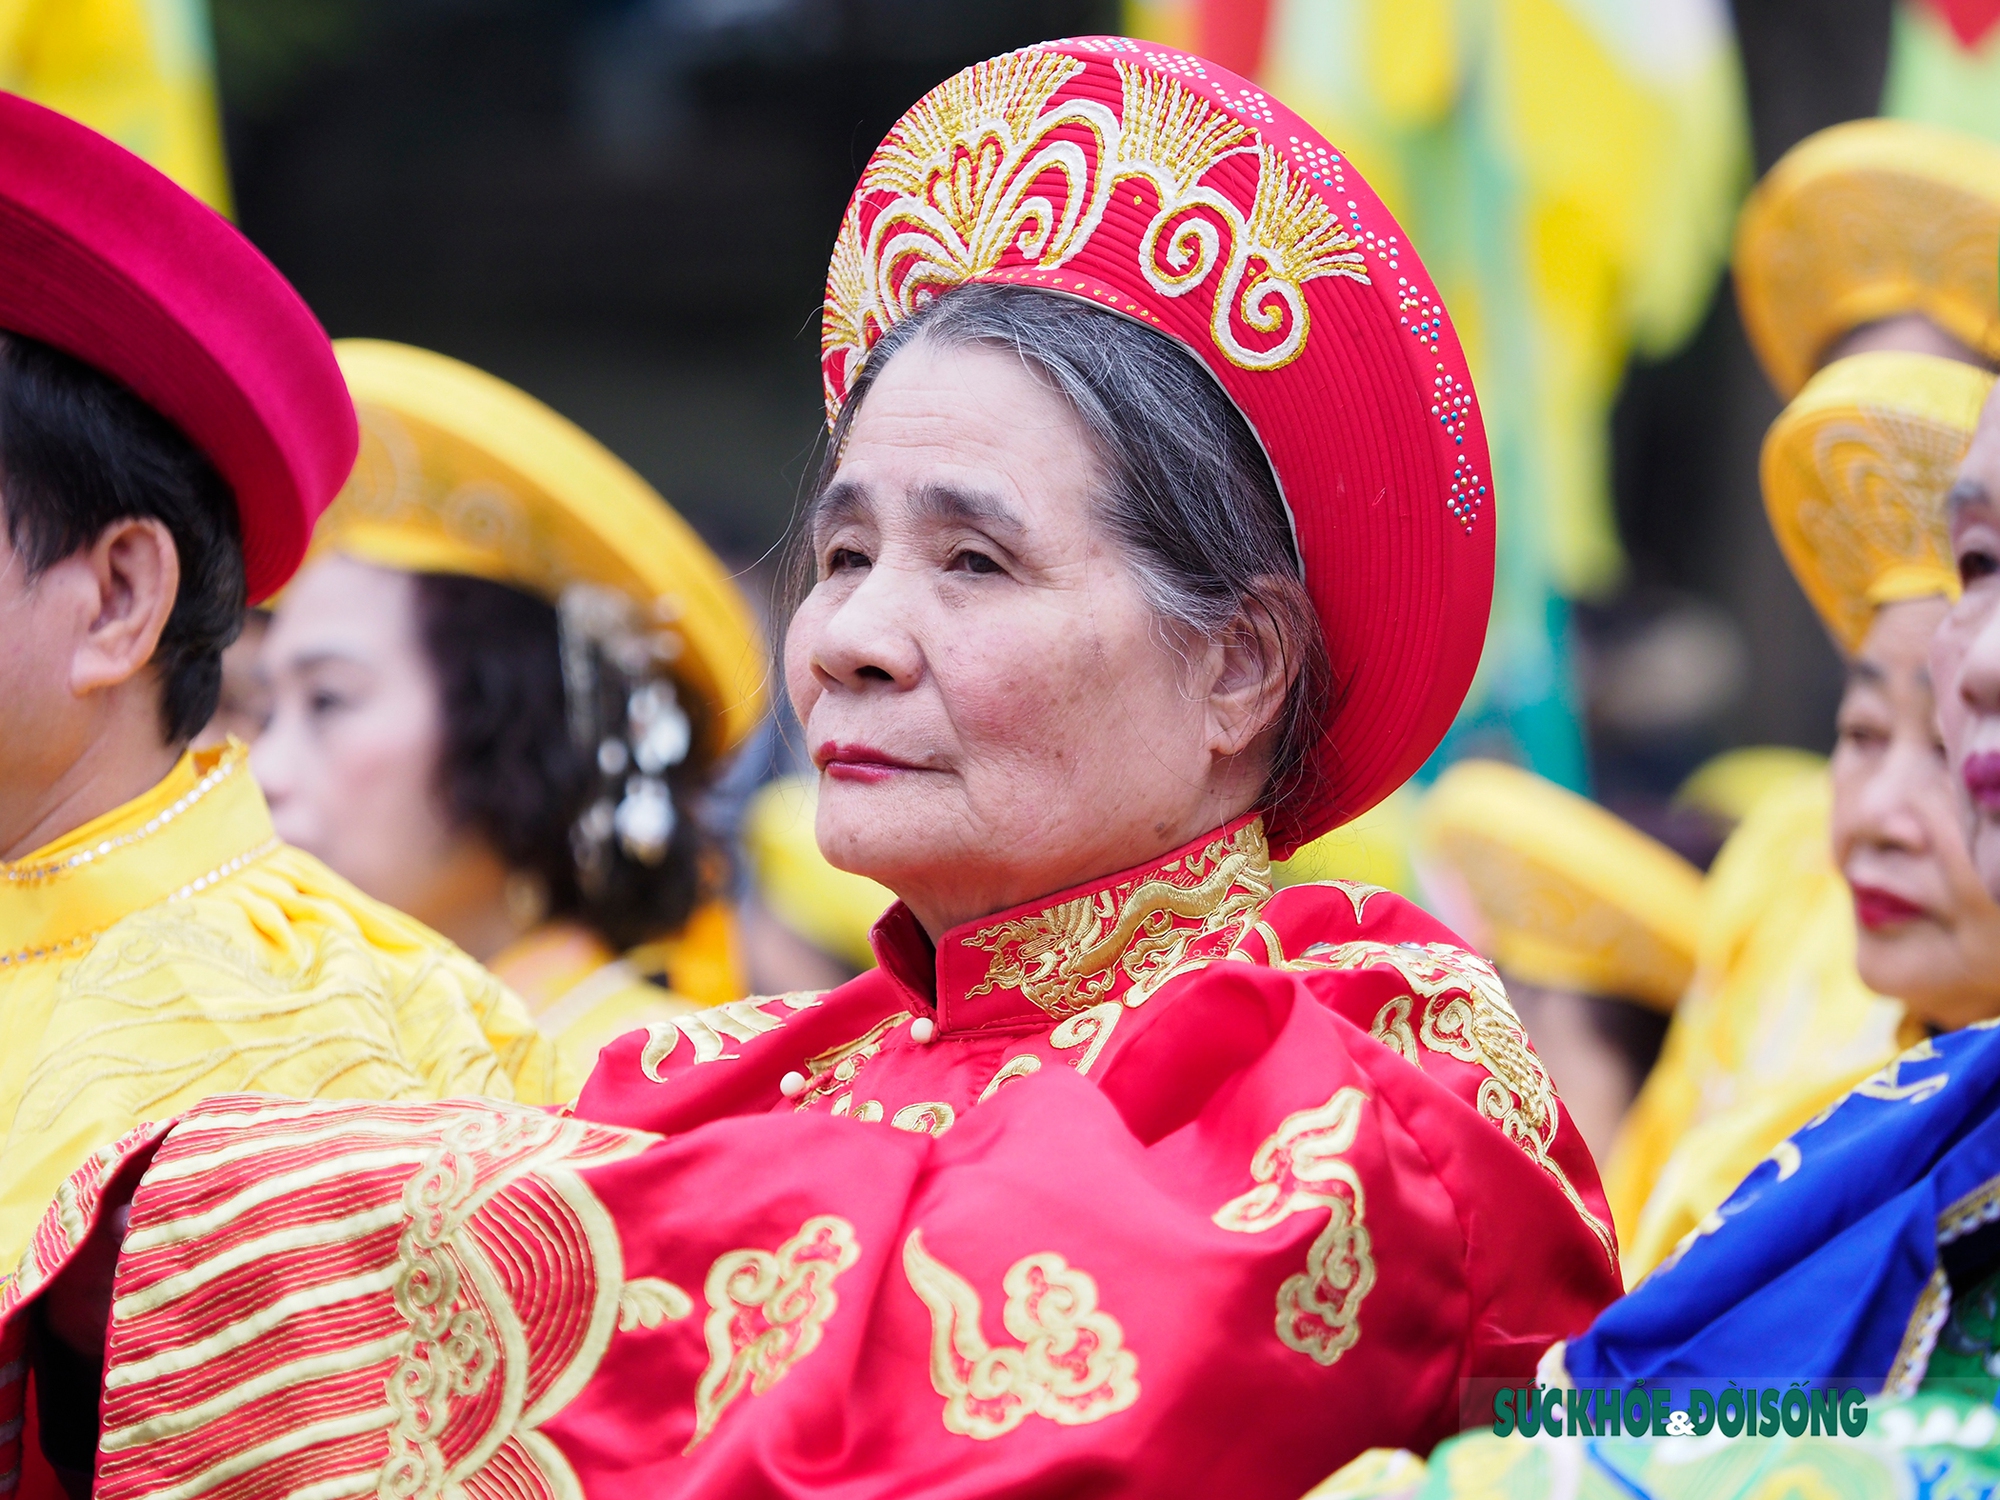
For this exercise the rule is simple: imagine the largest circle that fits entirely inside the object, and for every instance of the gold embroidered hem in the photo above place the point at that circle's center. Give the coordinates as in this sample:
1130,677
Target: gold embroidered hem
175,948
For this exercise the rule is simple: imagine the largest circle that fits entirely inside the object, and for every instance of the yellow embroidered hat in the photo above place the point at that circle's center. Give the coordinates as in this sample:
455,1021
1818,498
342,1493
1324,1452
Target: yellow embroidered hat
460,472
1855,473
1567,894
1865,221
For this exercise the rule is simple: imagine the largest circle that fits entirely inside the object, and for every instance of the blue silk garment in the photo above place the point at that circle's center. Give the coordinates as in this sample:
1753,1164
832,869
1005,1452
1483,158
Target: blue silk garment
1835,1259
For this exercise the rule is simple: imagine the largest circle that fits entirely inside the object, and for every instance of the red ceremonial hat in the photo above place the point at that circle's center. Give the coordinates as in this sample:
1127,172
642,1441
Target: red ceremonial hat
109,261
1146,180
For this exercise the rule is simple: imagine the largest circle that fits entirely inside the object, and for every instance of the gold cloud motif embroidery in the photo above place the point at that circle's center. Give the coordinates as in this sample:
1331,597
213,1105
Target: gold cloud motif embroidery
1070,1366
1464,1013
768,1309
1297,1170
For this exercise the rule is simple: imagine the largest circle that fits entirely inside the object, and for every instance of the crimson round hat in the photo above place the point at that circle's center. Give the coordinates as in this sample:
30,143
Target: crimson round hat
1153,183
106,259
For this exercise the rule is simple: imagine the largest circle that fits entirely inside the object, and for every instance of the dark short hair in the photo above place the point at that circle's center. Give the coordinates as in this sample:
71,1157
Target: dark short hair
78,452
510,769
1187,488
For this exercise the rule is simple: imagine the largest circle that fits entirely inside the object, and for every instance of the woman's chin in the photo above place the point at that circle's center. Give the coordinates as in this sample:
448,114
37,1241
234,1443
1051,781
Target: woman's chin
879,828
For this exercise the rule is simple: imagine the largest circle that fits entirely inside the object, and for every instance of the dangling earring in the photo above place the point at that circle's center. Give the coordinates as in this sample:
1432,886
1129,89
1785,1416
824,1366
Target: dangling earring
525,899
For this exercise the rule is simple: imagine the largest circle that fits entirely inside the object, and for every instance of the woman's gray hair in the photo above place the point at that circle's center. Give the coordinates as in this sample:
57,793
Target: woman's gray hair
1188,490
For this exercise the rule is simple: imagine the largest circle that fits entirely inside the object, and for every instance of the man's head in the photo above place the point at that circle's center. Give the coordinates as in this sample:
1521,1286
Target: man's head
172,422
121,564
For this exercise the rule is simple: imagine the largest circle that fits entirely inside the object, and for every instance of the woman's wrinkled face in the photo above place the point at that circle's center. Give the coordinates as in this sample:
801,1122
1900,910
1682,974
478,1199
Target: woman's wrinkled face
349,756
1965,653
1929,934
995,711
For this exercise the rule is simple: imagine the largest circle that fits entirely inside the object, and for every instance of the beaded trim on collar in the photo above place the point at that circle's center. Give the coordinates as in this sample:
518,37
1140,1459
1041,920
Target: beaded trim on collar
27,874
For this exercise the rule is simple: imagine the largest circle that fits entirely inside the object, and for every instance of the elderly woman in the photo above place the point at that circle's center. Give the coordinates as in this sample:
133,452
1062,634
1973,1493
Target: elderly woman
1153,536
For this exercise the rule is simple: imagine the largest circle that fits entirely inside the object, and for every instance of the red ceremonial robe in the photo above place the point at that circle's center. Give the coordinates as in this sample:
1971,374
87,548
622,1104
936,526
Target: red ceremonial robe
1191,1184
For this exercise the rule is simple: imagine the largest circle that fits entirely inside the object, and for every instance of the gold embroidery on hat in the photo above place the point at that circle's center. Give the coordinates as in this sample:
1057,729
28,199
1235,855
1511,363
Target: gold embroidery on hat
972,171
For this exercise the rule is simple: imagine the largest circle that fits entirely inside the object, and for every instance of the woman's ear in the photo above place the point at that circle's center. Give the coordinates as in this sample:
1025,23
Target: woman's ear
130,577
1254,672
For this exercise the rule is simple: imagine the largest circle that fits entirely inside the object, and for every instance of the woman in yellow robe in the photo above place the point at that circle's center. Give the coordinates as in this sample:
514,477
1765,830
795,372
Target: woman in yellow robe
500,689
1843,917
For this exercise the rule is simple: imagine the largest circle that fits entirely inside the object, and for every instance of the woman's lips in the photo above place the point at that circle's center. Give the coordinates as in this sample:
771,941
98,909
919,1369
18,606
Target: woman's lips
1982,779
1877,909
859,763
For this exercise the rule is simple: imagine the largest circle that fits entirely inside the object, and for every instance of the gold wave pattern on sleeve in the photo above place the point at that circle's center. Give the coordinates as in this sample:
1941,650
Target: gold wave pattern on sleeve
1071,1365
363,1299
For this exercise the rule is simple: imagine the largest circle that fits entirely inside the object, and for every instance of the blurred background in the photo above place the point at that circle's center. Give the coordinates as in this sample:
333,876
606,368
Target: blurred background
624,207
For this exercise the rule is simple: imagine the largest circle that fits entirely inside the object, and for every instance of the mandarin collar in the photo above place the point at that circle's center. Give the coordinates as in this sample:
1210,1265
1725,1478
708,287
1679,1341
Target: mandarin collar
201,823
1052,958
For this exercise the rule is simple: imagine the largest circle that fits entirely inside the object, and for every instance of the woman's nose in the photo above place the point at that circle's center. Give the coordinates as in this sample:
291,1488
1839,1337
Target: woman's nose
1890,804
1979,670
271,758
870,635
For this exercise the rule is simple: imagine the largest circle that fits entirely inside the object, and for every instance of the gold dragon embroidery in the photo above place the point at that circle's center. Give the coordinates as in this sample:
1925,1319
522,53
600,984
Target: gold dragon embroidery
710,1031
1068,957
1071,1365
1465,1014
768,1311
1300,1169
835,1069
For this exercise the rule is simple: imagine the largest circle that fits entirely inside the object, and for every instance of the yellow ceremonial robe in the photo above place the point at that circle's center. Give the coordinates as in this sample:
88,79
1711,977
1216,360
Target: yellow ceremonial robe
583,996
1775,1026
174,948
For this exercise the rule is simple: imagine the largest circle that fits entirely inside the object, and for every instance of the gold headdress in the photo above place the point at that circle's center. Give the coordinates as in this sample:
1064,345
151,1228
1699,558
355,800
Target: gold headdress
1568,895
1865,221
1855,475
459,472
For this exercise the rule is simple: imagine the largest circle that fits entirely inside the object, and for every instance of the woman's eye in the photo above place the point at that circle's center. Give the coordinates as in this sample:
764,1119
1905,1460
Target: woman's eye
973,562
1975,563
840,559
320,701
1862,736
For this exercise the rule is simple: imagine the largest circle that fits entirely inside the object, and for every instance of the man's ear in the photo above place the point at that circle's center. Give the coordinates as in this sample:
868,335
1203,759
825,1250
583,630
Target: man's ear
1254,673
132,575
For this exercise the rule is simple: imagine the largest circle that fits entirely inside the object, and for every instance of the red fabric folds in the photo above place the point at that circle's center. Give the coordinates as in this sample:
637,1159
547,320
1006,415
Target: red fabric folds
1281,1175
